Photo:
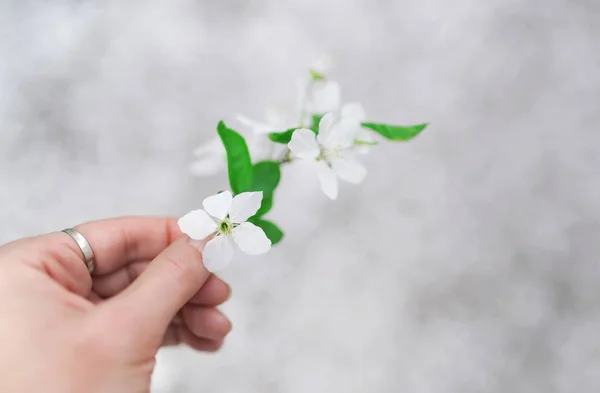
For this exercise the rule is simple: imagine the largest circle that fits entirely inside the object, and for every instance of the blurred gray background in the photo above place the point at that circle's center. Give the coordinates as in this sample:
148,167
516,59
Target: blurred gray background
466,262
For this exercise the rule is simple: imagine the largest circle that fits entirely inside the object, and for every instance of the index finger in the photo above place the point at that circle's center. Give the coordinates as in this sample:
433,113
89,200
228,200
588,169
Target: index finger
119,241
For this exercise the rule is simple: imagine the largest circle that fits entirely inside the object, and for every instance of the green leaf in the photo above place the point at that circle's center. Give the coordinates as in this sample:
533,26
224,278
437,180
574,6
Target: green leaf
316,76
316,119
266,176
265,206
239,164
286,136
271,230
396,133
282,137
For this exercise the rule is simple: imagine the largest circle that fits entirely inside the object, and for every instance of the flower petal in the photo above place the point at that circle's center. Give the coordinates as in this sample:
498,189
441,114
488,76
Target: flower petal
212,147
218,252
323,64
342,134
251,239
276,118
328,180
257,127
304,144
244,206
354,111
218,205
326,97
362,150
365,137
349,169
197,224
208,166
261,148
325,128
337,133
246,121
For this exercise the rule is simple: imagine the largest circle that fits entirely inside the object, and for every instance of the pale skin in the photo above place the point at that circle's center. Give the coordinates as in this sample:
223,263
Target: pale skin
62,331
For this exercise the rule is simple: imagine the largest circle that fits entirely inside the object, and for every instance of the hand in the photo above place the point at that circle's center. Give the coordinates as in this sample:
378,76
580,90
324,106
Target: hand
63,331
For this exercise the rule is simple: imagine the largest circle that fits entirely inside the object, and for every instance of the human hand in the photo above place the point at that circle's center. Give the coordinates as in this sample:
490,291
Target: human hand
62,330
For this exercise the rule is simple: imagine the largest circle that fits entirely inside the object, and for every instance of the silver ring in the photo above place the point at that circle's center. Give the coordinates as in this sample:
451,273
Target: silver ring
86,249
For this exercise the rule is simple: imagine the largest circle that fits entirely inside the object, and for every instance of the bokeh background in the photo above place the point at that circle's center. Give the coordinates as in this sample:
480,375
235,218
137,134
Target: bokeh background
466,262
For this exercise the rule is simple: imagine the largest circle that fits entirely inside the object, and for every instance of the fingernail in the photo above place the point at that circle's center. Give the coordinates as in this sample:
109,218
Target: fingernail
230,293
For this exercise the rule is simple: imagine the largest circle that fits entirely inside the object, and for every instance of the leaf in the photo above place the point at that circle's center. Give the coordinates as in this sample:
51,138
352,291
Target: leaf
239,164
271,230
316,76
316,119
266,176
265,206
286,136
282,137
396,133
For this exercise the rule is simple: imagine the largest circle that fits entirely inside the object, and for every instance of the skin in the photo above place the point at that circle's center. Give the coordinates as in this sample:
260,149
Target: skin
64,331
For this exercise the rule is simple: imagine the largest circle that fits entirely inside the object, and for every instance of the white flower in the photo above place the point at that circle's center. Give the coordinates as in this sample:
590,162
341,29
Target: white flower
325,97
211,158
318,97
224,216
260,146
332,150
353,112
316,93
323,64
362,138
276,120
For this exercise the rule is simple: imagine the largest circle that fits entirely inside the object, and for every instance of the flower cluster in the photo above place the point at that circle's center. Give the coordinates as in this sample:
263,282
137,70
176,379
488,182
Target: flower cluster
322,130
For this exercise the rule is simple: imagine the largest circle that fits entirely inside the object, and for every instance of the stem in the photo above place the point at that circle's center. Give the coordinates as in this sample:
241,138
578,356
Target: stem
287,156
365,143
307,89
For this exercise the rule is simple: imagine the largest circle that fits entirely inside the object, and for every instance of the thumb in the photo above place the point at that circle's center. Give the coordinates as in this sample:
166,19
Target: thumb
166,285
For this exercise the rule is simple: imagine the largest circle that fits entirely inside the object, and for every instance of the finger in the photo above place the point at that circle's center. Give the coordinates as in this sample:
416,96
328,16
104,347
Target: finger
168,282
206,322
56,255
213,293
119,241
180,334
114,283
95,299
115,243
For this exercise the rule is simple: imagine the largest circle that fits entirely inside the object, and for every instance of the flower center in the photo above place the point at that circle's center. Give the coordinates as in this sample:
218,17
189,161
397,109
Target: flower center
329,154
225,226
